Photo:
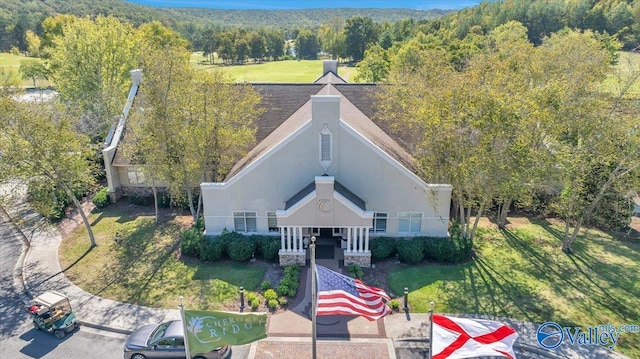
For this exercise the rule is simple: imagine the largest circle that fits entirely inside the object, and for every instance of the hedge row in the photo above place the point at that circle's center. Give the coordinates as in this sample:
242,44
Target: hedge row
414,250
233,245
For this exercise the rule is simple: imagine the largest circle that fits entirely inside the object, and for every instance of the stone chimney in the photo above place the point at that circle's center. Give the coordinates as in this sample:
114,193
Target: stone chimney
329,66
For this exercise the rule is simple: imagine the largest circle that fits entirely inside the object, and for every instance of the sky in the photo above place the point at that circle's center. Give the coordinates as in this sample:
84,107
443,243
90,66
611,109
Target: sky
312,4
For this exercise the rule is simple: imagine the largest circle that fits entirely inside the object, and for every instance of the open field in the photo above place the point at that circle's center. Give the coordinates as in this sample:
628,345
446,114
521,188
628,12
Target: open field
11,64
290,71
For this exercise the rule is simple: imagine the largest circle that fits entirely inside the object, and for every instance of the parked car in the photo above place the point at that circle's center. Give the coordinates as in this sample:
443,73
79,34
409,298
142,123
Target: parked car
165,340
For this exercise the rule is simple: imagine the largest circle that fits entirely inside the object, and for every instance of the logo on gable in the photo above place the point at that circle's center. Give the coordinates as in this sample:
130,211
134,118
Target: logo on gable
322,203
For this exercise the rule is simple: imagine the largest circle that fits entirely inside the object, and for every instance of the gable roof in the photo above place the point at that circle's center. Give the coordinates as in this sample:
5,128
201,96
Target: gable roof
350,113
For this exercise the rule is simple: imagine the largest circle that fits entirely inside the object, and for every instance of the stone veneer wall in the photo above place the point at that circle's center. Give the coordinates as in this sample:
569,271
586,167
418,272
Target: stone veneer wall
289,258
361,259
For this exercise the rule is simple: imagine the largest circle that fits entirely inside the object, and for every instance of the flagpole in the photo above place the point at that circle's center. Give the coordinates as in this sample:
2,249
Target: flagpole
313,297
431,304
184,327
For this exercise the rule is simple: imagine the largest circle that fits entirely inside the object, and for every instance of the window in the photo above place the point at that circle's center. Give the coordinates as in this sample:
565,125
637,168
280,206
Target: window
272,222
326,146
326,156
244,221
409,222
136,176
379,223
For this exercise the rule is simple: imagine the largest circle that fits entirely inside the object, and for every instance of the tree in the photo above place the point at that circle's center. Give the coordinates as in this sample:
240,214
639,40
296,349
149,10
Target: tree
38,144
359,32
375,66
33,69
209,43
193,128
275,43
257,46
307,45
33,43
331,36
90,64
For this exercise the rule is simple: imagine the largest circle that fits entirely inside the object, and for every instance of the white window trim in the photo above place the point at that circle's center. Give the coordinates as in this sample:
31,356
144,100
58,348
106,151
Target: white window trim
411,231
272,214
140,178
244,217
373,229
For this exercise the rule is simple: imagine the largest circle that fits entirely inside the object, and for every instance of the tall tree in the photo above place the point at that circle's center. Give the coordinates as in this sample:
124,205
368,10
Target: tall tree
90,65
193,127
307,45
331,36
39,144
359,33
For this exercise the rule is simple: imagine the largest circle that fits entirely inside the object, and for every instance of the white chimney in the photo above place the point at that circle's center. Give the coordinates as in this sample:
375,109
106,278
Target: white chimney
329,66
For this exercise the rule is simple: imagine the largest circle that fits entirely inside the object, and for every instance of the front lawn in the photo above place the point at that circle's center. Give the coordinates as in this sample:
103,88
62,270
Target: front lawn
143,267
521,273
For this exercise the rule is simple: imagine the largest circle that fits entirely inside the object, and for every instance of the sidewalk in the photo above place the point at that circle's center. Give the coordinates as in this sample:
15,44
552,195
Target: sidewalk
289,332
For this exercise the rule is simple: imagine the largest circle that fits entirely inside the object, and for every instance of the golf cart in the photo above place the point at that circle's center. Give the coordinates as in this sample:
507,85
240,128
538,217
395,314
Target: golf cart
52,312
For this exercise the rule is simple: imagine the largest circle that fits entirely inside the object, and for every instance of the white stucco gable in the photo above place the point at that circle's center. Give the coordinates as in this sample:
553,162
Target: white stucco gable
328,139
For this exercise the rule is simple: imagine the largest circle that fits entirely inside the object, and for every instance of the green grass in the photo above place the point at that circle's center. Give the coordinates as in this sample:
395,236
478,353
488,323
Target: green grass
522,273
290,71
11,63
143,267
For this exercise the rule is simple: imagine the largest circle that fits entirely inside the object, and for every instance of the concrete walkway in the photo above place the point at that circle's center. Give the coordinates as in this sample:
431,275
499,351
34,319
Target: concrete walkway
289,332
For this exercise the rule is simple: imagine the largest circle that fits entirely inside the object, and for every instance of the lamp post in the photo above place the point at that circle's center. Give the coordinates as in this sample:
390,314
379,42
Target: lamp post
406,299
241,299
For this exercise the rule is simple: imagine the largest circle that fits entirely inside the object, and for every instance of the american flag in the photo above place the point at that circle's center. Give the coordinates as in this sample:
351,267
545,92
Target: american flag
342,295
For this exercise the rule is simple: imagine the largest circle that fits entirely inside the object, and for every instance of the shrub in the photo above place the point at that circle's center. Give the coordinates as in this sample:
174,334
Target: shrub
283,289
101,199
190,242
448,250
410,250
164,200
355,271
251,296
382,247
282,301
265,285
211,249
394,304
140,200
270,294
272,304
255,304
267,247
240,248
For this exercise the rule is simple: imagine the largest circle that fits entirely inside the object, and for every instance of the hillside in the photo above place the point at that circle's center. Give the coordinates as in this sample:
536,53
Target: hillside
28,13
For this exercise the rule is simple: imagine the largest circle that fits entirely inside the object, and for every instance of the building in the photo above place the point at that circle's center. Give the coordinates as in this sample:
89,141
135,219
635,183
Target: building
322,167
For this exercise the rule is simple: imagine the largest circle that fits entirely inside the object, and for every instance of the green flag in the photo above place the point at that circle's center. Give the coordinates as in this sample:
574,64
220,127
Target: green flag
208,330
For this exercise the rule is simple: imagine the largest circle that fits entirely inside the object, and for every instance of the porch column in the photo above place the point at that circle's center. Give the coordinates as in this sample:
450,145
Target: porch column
282,245
348,239
360,239
296,238
366,240
289,238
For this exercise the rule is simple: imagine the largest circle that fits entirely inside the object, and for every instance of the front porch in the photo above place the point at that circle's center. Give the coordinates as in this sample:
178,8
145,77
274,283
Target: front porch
347,245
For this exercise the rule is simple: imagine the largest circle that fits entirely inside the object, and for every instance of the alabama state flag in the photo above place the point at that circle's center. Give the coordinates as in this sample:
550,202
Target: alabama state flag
455,338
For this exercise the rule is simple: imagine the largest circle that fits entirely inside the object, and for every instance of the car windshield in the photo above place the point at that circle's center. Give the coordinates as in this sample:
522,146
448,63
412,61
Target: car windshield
158,332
